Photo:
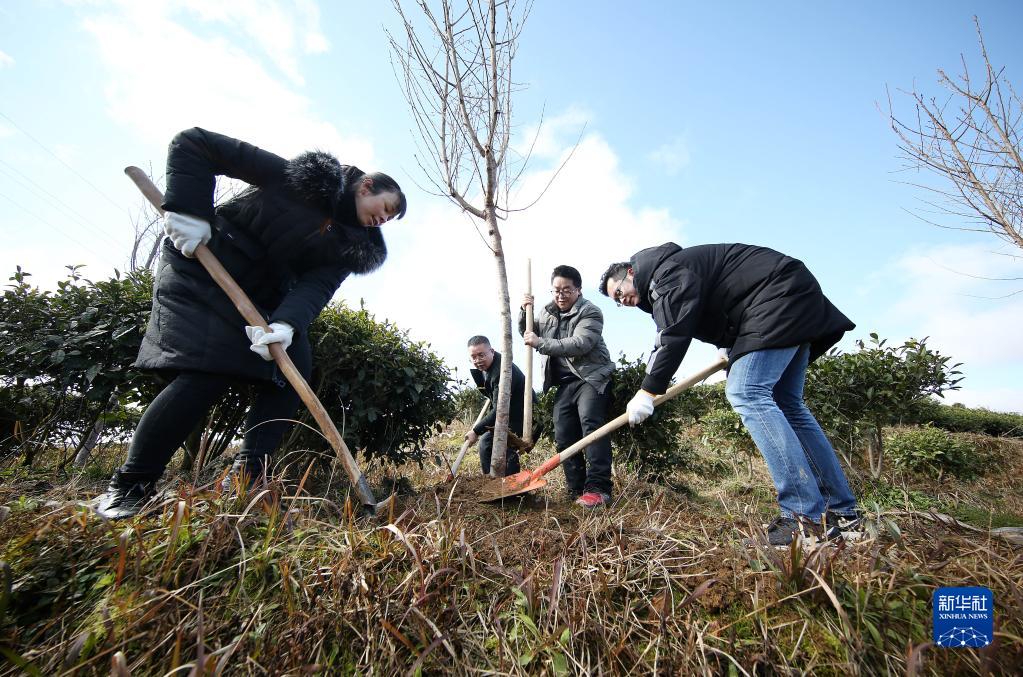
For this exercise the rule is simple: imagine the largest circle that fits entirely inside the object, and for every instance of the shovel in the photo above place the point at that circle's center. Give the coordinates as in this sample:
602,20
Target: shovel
526,481
287,367
466,444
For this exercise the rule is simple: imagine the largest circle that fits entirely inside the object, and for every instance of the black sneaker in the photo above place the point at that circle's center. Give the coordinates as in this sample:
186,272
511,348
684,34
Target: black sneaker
849,526
125,496
783,530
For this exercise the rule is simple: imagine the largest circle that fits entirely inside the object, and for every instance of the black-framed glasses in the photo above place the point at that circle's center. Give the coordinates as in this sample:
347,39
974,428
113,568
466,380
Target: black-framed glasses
617,296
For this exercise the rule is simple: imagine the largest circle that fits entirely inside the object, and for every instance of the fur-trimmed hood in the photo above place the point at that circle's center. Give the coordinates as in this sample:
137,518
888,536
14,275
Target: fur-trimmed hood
320,179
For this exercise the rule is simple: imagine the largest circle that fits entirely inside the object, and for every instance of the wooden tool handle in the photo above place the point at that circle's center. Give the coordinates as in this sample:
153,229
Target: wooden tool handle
466,445
609,427
253,317
527,405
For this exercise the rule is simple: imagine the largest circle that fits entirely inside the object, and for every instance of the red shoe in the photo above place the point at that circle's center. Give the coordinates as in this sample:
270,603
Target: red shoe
593,499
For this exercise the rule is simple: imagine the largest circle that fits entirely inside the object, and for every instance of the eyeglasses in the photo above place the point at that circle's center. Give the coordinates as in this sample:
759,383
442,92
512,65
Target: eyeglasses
564,293
617,295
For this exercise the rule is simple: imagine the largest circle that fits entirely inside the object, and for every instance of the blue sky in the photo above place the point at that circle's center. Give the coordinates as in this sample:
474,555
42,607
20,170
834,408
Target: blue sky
712,122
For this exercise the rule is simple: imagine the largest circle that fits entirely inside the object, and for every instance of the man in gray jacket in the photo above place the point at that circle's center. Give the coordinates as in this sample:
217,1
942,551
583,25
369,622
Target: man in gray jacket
574,359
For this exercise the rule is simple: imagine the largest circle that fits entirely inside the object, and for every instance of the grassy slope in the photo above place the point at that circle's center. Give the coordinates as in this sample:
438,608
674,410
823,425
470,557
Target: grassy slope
659,582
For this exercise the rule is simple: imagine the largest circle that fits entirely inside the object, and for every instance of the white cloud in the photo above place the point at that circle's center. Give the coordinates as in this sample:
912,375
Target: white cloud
938,292
314,41
441,281
281,29
6,60
942,295
186,78
551,136
672,156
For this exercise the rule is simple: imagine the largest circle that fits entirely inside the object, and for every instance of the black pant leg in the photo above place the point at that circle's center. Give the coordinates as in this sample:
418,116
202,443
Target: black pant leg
567,431
593,408
273,408
486,445
511,458
169,419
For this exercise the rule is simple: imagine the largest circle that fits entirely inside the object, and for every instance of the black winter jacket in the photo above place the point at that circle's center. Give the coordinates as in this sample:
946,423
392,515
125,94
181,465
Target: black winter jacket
289,241
734,296
489,382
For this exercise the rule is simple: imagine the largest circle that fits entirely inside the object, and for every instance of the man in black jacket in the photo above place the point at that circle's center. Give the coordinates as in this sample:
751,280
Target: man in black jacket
769,312
487,376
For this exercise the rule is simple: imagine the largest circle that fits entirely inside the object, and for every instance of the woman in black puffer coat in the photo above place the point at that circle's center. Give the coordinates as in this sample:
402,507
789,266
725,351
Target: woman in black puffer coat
289,241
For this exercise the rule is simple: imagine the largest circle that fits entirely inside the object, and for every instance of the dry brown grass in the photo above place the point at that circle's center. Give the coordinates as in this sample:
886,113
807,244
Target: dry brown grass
286,583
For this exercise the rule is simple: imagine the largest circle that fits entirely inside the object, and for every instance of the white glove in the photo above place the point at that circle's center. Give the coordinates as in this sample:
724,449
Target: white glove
280,332
640,407
186,232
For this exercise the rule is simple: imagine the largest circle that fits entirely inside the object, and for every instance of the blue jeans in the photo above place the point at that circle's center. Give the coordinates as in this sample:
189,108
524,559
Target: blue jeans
765,387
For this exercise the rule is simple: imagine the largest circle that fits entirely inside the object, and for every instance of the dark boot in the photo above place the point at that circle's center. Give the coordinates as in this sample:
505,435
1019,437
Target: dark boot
125,495
245,473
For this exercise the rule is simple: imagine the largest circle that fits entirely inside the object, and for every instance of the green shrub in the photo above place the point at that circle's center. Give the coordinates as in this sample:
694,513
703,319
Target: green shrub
960,419
386,393
888,496
723,429
543,416
467,402
67,358
656,448
933,451
855,394
696,402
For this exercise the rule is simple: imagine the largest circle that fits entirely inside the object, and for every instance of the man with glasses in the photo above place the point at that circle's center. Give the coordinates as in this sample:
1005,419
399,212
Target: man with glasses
574,359
769,312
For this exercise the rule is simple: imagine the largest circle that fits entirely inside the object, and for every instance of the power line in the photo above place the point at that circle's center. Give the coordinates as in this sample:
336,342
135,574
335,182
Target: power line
70,237
58,159
68,210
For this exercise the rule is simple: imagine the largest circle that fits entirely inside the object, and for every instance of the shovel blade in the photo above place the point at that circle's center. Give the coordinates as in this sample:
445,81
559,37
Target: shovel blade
513,485
381,509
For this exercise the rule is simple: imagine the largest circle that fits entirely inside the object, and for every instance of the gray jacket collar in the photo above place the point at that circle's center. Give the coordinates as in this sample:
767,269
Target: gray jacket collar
553,309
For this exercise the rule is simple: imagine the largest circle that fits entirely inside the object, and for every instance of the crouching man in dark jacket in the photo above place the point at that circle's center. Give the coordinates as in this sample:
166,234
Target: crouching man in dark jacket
487,376
769,312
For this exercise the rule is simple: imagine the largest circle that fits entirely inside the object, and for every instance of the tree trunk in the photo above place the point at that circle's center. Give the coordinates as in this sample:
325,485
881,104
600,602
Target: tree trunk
874,452
98,426
498,460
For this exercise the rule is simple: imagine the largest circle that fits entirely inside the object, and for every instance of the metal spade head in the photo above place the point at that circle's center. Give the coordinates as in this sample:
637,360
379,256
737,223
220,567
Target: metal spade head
513,485
384,508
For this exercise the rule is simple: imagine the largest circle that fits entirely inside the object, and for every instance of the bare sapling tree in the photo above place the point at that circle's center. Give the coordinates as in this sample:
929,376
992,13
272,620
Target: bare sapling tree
146,243
970,140
455,67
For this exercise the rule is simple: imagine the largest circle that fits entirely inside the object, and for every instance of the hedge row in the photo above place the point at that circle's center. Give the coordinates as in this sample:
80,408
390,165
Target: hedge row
961,419
66,356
